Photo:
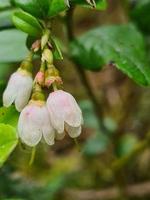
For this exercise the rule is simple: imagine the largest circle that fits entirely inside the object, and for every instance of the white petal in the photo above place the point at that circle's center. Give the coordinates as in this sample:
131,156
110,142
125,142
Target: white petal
73,131
9,96
30,124
49,134
73,114
24,93
63,108
56,113
29,133
11,90
31,136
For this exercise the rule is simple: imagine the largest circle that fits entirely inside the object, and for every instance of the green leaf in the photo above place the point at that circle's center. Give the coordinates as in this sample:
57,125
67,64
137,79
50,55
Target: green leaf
96,144
57,51
5,18
8,141
140,14
12,46
9,116
56,6
122,44
126,144
4,3
37,8
27,23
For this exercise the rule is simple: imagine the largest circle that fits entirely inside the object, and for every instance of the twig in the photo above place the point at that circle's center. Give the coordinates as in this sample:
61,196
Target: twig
136,190
82,74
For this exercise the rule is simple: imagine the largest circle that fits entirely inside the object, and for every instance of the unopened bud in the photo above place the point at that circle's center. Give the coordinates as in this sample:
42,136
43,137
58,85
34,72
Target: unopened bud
51,76
45,39
47,56
40,78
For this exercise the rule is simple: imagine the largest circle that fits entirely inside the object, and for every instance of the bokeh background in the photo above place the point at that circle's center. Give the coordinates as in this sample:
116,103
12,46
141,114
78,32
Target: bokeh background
104,164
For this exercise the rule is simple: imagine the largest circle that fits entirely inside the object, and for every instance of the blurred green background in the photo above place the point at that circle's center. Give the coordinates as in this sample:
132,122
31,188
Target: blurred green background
112,164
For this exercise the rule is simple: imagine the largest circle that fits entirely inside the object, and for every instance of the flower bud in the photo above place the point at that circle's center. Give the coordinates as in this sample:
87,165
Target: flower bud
40,77
36,45
47,56
45,39
51,76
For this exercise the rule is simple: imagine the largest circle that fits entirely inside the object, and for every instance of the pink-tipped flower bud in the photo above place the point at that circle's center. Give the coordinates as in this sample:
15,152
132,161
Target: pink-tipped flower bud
53,79
18,89
47,56
40,77
52,76
34,123
65,113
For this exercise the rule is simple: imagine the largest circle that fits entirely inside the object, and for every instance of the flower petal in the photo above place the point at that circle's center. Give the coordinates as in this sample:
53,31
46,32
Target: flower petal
24,93
49,134
31,136
73,131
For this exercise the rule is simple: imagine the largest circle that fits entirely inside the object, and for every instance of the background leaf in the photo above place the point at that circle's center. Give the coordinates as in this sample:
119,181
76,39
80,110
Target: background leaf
4,3
9,116
122,44
56,6
8,141
5,18
126,144
140,14
37,8
27,23
12,48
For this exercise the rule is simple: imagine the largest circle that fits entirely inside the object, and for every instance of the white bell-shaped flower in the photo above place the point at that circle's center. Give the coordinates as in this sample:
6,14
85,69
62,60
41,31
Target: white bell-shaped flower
34,123
18,89
65,114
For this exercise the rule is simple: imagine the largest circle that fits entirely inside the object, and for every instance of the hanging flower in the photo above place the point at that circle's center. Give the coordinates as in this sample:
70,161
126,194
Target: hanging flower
65,113
18,89
34,122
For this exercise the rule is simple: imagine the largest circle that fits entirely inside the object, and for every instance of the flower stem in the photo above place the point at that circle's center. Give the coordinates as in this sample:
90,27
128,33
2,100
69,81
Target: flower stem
97,107
32,158
77,144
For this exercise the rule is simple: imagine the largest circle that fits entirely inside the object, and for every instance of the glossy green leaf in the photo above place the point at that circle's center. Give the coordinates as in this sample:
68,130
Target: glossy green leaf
56,6
126,144
57,51
12,46
122,44
27,23
8,141
140,14
37,8
9,116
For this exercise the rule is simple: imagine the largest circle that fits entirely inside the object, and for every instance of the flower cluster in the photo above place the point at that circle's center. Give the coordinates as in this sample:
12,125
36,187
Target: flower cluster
49,118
